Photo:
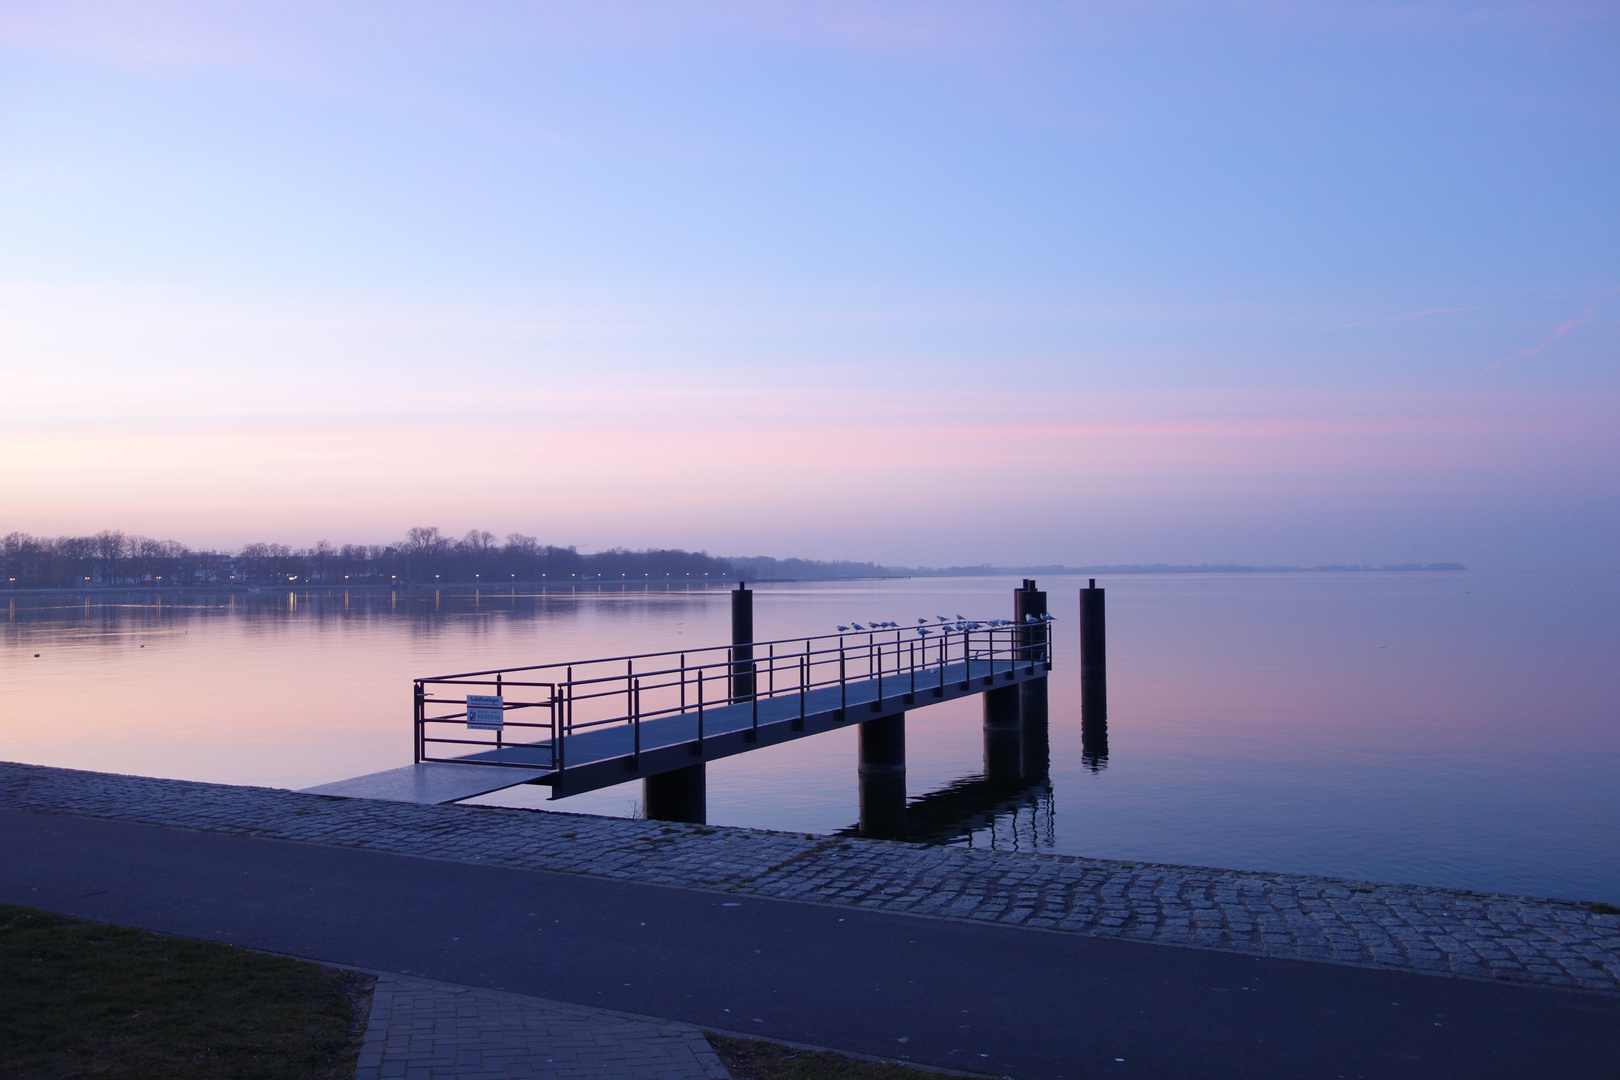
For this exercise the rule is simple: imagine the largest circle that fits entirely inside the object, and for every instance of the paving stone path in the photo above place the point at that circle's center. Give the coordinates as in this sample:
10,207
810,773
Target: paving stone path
420,1029
1409,927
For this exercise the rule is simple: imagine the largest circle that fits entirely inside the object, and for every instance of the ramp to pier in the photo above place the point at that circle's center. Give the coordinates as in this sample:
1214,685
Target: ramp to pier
428,782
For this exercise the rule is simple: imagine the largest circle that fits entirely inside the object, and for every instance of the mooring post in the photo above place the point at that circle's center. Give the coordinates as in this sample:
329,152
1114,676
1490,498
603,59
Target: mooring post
1032,695
882,774
1093,678
678,795
1093,635
742,643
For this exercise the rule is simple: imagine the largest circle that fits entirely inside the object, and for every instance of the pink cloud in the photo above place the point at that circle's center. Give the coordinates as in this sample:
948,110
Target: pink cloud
1558,332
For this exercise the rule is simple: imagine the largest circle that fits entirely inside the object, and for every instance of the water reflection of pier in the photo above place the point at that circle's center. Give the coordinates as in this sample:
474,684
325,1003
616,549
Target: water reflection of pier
979,811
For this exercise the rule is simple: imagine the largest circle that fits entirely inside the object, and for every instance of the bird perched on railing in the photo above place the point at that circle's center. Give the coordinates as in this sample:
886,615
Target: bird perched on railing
856,626
924,631
843,629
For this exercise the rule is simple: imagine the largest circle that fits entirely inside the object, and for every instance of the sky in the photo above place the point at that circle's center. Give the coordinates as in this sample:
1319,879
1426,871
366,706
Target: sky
926,283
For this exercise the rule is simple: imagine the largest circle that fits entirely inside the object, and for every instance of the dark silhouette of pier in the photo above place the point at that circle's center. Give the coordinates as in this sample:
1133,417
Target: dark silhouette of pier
660,717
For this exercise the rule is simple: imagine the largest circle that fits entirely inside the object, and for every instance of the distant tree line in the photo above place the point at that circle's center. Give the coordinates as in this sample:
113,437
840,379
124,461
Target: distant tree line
425,556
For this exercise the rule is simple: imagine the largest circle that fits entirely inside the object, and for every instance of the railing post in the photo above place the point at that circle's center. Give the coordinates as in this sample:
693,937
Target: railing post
843,689
700,710
417,711
635,717
804,676
879,706
557,755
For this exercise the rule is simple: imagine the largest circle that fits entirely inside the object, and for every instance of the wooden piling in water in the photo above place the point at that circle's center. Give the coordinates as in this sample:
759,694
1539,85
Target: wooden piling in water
742,643
1034,753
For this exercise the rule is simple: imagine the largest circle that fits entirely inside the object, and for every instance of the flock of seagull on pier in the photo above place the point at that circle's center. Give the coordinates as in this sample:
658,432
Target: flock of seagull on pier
945,624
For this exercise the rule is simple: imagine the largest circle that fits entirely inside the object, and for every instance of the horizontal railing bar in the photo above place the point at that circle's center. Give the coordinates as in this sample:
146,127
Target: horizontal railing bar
676,710
890,636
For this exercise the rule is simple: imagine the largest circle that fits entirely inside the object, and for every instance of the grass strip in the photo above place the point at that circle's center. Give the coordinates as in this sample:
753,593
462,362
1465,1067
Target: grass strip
81,999
756,1059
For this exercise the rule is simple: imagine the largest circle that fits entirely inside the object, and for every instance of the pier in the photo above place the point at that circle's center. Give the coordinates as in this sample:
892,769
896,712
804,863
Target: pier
661,717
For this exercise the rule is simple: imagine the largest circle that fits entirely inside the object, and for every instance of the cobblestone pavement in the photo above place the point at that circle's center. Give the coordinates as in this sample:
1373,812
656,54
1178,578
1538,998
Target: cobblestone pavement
420,1029
1408,927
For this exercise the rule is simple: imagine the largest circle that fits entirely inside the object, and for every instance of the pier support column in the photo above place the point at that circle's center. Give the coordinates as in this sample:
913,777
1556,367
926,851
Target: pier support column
742,643
1003,750
883,776
1032,696
678,795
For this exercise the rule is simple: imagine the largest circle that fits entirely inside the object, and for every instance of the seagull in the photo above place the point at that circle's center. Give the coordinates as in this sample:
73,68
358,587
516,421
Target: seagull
942,618
960,619
1031,619
922,622
924,631
843,629
856,626
1047,617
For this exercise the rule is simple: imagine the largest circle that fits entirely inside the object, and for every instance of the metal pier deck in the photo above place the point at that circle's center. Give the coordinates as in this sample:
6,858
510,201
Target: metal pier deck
583,726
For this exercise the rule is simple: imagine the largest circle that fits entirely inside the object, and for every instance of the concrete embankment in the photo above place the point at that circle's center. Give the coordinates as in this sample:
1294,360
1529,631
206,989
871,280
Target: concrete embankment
1026,965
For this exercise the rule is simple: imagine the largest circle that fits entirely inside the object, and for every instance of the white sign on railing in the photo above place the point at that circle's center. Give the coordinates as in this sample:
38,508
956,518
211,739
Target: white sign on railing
485,711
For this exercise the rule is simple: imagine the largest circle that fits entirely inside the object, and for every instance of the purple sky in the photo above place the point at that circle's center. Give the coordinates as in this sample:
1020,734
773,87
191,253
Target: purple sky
925,283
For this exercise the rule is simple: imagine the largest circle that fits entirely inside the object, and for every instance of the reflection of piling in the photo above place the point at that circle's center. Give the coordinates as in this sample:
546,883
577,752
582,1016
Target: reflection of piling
1003,750
883,776
1034,751
678,795
1093,679
1094,725
742,643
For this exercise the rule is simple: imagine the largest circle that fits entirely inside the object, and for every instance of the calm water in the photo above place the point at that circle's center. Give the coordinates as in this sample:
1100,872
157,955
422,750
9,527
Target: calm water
1459,729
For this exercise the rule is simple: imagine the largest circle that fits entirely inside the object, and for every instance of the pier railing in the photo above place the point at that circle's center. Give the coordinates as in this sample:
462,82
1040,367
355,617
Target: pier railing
538,707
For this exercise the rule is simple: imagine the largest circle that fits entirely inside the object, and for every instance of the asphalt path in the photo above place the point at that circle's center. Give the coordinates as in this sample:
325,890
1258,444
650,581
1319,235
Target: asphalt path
1029,1004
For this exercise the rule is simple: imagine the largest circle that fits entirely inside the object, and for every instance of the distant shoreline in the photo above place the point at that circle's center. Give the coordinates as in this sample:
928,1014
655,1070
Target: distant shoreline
1125,570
